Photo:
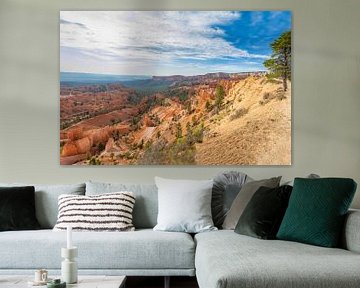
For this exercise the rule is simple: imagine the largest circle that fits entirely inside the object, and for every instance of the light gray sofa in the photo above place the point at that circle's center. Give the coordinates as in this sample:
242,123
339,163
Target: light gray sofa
220,259
226,259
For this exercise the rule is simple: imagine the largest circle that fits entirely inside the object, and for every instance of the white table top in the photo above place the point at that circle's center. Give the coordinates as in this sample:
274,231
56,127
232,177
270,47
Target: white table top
84,281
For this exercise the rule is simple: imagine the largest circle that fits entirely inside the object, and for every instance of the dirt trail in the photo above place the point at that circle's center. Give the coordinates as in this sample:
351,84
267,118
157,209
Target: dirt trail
260,137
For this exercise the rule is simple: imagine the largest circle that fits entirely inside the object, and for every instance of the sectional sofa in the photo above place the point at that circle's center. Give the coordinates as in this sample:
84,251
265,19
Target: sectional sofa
219,259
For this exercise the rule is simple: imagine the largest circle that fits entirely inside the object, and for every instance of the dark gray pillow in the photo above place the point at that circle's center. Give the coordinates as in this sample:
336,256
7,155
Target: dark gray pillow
263,215
226,187
243,198
17,209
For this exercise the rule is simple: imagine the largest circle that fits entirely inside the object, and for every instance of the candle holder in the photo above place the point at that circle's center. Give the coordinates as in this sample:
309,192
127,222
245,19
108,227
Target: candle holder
69,272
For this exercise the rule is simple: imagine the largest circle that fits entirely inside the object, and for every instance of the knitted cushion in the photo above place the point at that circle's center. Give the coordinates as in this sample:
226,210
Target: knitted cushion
105,212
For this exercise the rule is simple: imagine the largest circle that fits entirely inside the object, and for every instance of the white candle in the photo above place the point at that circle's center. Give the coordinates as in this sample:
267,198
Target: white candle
69,239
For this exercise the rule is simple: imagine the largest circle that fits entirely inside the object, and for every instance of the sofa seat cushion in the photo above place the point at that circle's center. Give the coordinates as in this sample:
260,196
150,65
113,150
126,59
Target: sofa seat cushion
225,259
142,249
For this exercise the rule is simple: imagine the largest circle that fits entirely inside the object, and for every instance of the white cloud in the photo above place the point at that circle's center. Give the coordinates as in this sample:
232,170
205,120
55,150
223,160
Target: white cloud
256,17
275,14
150,36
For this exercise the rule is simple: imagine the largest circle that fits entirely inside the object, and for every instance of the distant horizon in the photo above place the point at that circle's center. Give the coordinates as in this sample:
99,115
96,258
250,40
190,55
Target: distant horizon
144,75
165,43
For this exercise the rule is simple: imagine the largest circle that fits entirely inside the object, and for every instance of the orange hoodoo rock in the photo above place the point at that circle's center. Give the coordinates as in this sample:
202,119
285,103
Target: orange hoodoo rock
123,129
75,134
148,122
69,149
83,145
100,135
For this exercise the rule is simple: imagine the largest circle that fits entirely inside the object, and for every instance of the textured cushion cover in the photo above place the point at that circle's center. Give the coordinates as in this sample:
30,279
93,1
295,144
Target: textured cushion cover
225,189
317,210
146,205
106,212
184,205
225,259
46,200
263,215
243,198
17,208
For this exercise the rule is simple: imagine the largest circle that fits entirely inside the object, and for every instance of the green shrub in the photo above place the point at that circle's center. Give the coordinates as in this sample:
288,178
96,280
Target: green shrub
101,147
239,113
280,96
267,97
94,161
161,152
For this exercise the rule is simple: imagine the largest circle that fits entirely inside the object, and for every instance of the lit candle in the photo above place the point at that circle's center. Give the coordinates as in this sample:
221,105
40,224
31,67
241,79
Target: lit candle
69,239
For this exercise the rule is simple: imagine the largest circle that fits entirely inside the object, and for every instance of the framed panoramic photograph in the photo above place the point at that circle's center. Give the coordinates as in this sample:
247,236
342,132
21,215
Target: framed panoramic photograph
175,87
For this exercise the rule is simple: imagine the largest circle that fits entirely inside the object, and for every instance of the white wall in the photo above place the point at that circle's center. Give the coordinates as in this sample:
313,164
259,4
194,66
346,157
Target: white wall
326,90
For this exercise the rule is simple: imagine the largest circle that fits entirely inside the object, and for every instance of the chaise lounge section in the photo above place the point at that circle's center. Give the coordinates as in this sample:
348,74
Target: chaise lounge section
225,259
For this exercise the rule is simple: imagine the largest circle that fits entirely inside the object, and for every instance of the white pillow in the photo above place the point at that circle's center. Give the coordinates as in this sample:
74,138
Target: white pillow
184,205
104,212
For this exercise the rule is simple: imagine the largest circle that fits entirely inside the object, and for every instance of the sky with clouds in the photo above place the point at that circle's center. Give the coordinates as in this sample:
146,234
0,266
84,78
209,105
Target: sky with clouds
168,42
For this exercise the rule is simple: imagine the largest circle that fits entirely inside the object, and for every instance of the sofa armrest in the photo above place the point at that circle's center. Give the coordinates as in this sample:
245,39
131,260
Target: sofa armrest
351,234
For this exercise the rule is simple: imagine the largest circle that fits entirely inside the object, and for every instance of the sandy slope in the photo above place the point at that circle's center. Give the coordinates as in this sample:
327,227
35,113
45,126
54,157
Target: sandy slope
261,137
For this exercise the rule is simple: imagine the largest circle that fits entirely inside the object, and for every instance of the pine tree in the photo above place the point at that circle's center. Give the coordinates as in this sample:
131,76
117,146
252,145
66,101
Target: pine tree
279,64
219,96
207,105
178,133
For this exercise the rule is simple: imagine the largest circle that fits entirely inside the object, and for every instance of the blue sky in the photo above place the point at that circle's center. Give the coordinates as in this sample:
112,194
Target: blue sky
168,42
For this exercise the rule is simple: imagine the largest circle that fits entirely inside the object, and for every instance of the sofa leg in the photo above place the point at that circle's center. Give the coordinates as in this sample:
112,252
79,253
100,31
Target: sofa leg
167,282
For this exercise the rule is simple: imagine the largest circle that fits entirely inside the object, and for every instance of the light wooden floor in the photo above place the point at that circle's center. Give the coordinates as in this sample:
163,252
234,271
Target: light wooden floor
158,282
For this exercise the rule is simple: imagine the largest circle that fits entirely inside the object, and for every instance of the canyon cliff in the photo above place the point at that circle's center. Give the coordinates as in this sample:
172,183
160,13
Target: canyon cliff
215,119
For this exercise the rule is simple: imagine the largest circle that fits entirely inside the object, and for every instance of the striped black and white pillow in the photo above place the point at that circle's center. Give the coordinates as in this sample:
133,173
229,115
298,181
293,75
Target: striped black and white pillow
105,212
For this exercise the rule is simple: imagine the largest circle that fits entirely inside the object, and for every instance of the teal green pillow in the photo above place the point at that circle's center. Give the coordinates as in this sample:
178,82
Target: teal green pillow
316,211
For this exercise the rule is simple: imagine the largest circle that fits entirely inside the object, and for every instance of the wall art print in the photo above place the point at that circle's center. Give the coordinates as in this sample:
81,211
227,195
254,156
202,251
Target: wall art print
175,87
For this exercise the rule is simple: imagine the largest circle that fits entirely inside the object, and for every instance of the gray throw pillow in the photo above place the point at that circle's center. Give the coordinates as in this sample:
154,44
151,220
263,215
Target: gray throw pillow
310,176
242,199
226,187
46,200
184,205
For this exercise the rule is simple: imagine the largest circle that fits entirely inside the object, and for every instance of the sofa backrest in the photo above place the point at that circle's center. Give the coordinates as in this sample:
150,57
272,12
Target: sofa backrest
146,203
